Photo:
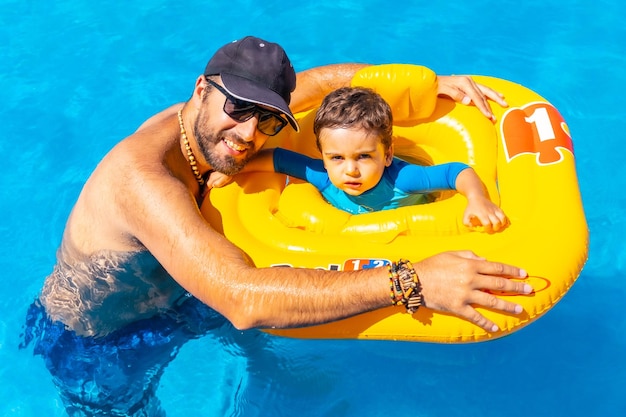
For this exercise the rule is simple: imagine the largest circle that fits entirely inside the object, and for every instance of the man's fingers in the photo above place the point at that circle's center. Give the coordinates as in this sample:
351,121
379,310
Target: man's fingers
465,90
502,285
493,95
499,269
458,281
492,302
478,319
477,94
480,96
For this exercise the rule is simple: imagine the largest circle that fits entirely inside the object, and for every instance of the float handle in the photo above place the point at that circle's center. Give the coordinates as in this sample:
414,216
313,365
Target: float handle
410,90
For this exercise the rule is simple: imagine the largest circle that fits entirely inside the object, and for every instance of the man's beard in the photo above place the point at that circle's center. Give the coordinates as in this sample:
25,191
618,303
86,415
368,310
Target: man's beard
208,142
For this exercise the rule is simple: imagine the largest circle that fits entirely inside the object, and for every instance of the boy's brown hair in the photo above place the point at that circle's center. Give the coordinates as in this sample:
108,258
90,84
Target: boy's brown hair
355,108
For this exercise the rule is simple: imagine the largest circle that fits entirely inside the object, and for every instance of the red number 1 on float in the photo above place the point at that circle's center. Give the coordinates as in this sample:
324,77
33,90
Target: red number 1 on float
536,128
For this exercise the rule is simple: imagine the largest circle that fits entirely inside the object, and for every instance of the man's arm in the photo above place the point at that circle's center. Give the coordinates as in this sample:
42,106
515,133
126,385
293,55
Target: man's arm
314,84
159,211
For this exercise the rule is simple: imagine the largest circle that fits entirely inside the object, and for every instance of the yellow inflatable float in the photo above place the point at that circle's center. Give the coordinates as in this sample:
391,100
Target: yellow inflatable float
525,159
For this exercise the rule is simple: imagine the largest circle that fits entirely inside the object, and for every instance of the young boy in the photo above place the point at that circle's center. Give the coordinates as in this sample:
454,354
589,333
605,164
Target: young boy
358,173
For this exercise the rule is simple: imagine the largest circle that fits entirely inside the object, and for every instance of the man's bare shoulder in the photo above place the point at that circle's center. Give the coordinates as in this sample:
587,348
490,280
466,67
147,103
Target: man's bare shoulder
161,116
134,171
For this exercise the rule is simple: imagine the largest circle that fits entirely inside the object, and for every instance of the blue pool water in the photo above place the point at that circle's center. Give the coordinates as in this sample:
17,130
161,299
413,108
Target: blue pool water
79,75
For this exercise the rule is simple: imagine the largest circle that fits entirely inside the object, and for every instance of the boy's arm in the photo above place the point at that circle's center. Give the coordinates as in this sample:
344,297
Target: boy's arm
480,211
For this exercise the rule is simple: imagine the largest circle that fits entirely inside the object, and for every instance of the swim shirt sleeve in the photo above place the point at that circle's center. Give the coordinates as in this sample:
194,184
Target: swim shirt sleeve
301,166
415,178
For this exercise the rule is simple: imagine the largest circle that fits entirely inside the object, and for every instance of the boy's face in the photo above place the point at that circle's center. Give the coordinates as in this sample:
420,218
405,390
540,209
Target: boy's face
354,158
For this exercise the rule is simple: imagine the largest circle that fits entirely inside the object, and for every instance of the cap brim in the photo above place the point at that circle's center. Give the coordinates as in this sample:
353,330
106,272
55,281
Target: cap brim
247,90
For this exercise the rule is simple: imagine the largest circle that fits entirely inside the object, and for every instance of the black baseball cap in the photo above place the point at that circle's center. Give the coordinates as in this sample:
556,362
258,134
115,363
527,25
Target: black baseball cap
257,71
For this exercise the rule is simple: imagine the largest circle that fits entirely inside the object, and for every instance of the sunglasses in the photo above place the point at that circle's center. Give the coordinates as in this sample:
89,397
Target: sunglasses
269,124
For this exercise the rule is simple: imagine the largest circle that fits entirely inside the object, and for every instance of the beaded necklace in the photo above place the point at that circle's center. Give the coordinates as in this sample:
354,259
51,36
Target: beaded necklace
190,156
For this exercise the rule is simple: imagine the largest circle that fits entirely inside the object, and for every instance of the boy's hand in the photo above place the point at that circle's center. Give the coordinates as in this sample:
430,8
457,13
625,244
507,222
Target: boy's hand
480,211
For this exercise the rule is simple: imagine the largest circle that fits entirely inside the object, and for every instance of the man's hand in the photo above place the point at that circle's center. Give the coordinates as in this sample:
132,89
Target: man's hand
454,281
463,89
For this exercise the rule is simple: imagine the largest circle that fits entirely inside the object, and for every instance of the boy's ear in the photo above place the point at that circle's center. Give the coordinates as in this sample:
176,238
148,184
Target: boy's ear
389,156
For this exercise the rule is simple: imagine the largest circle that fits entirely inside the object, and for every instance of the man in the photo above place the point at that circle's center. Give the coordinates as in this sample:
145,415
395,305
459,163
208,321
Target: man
138,264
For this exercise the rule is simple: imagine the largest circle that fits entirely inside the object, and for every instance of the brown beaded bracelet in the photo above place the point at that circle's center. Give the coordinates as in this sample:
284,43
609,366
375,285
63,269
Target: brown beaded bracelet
395,289
405,286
